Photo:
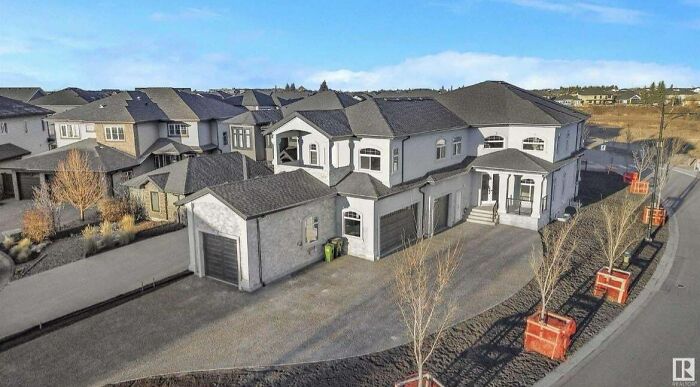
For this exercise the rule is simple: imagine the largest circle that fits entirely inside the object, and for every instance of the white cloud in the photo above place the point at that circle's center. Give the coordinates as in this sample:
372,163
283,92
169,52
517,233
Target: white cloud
463,68
12,46
186,14
602,13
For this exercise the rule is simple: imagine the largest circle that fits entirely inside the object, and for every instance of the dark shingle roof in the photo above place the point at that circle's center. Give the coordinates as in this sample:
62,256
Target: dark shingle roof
195,173
166,146
70,96
256,98
332,123
500,103
264,195
14,108
324,100
24,94
256,117
514,159
152,104
100,158
12,151
400,117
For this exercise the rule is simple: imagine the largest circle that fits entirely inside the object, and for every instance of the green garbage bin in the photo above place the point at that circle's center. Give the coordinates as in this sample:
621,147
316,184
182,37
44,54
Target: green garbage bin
329,251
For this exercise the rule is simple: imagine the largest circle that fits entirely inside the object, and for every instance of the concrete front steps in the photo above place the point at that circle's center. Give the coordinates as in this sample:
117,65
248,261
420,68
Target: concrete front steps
481,215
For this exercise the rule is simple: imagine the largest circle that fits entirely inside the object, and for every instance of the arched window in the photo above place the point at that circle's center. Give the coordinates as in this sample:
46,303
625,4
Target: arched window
313,154
310,229
352,224
440,149
533,143
527,189
370,159
493,142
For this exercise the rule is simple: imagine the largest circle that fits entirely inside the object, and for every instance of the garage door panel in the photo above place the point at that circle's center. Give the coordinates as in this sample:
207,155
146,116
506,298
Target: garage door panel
27,182
220,258
395,228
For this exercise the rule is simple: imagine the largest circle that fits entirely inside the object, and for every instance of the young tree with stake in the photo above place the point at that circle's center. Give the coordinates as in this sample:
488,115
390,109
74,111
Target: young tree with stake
643,158
559,243
619,228
420,285
76,183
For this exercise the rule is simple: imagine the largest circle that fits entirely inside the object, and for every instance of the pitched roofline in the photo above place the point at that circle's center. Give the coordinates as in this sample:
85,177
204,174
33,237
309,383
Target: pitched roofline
297,114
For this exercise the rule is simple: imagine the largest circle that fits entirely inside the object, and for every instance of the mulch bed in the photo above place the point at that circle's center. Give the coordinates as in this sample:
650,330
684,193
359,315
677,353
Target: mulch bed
69,247
484,350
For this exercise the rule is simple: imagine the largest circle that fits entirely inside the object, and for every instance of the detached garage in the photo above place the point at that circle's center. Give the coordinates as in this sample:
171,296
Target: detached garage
252,232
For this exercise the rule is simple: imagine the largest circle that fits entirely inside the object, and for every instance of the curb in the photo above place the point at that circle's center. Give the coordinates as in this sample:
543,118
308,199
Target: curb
600,341
36,331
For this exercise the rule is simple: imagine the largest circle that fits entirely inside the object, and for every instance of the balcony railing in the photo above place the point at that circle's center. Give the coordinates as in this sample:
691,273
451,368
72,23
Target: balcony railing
519,206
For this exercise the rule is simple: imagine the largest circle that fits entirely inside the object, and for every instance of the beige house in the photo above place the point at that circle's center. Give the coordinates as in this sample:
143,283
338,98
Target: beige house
596,96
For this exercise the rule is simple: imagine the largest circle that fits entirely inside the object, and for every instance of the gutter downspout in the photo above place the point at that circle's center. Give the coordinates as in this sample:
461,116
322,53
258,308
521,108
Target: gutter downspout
260,268
423,217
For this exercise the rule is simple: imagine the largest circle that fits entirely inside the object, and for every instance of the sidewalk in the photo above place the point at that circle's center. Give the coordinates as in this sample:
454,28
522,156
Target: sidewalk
45,296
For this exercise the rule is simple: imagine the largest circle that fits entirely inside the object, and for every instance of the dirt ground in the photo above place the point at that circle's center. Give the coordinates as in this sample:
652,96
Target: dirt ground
612,123
484,350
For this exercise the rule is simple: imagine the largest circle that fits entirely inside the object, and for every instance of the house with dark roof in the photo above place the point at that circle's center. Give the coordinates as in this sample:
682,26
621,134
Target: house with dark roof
69,98
245,133
628,97
323,100
252,100
24,94
159,189
382,171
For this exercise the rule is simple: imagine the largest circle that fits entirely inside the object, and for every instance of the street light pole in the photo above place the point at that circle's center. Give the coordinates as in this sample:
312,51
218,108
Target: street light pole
659,148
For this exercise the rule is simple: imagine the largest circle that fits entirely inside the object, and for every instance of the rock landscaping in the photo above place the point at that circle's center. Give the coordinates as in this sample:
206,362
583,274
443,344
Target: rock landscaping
484,350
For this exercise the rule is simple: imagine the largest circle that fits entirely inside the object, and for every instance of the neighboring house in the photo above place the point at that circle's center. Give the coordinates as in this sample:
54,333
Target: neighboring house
246,133
28,173
155,125
568,100
596,96
399,169
66,99
628,97
21,124
692,101
323,100
252,100
24,94
161,188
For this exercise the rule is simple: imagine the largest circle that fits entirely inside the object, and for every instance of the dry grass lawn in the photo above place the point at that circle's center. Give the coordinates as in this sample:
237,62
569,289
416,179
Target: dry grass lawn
643,122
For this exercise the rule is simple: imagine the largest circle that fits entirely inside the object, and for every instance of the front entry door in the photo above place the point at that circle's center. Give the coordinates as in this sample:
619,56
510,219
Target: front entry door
485,187
494,190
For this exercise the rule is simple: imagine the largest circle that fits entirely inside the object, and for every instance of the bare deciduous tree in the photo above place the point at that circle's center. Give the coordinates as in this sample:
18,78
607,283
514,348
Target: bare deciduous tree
421,281
559,242
44,201
76,183
643,157
618,229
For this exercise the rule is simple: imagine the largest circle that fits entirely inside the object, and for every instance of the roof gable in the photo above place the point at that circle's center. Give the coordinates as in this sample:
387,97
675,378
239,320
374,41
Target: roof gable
14,108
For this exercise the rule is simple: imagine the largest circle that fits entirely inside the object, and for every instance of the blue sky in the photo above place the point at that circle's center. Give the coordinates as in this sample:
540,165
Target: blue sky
353,44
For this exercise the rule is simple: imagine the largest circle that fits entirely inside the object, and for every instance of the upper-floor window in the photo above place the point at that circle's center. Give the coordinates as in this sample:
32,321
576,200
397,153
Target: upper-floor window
440,149
224,138
313,154
240,137
370,159
352,224
494,142
90,128
533,143
456,146
310,229
114,133
3,127
395,160
177,130
69,131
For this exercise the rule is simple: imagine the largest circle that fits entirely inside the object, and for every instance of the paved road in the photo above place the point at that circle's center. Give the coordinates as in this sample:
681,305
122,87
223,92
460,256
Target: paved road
57,292
668,326
327,311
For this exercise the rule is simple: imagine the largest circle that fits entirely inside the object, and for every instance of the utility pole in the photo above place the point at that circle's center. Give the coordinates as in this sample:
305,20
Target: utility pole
659,148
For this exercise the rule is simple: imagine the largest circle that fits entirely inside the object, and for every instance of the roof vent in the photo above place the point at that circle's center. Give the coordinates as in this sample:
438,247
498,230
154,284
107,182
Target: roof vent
102,106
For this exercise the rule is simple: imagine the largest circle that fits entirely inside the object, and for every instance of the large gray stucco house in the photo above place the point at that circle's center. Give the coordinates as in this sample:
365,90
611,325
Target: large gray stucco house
384,169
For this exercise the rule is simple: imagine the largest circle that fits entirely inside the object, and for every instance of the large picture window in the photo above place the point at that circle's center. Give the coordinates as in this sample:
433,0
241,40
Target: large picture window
177,130
370,159
533,143
440,151
240,137
114,133
311,229
352,224
494,142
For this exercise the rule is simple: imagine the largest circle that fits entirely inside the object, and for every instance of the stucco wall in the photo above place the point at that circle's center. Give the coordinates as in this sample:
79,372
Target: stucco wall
365,245
147,133
420,155
26,132
86,130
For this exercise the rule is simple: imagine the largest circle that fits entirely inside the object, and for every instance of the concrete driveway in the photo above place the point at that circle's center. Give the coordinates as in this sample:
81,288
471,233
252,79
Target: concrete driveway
11,213
327,311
